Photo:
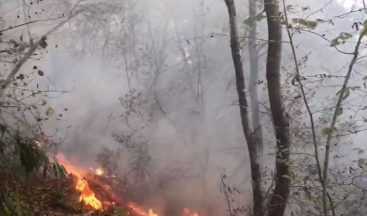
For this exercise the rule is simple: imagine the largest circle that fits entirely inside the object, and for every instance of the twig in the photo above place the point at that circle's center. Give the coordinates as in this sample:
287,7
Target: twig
297,78
318,10
349,12
224,185
30,22
324,38
211,35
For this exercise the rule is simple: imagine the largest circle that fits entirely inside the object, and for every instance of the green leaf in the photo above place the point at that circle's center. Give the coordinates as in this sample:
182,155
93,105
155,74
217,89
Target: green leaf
31,156
341,39
339,111
345,91
260,16
318,201
364,30
354,88
306,23
326,131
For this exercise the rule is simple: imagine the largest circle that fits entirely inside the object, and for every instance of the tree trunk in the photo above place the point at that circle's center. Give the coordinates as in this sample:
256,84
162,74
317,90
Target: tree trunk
241,91
279,198
254,73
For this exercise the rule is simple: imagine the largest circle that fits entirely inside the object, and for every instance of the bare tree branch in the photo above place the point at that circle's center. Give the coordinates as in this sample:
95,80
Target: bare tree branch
29,53
30,22
364,6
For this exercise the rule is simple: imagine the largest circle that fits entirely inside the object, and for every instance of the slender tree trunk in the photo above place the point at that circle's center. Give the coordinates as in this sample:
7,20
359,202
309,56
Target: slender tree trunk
279,198
338,108
254,74
248,132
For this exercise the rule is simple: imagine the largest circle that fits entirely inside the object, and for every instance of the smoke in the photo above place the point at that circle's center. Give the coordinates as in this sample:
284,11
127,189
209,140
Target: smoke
181,64
192,139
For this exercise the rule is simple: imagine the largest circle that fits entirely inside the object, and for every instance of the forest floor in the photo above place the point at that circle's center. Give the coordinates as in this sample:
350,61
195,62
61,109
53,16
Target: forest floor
45,197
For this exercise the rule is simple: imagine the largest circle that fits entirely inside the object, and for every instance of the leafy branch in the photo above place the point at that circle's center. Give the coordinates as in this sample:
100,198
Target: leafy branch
336,114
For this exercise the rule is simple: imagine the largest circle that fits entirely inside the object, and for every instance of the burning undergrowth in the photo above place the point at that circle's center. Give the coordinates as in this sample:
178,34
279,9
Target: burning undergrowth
104,192
54,185
80,192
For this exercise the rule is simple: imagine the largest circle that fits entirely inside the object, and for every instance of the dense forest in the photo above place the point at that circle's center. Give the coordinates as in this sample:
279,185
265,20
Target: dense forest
183,107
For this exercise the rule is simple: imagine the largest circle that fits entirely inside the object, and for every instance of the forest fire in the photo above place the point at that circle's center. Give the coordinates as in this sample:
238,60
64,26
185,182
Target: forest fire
89,197
99,171
139,211
187,212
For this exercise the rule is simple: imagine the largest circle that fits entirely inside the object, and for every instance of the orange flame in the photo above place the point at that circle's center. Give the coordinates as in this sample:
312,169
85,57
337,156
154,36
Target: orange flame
88,197
140,211
99,171
86,194
151,213
136,209
187,212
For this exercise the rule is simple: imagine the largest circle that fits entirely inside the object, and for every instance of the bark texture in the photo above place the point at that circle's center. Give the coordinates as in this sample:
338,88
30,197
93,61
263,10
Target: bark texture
280,195
254,76
258,198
